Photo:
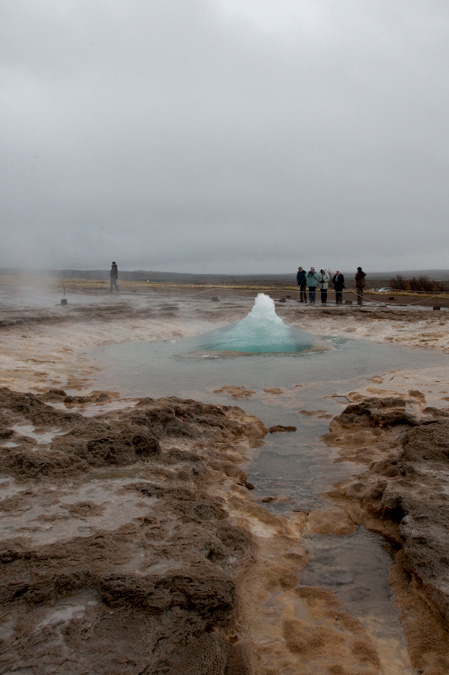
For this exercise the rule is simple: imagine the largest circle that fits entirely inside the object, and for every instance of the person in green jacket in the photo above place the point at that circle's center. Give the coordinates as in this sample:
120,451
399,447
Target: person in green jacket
312,283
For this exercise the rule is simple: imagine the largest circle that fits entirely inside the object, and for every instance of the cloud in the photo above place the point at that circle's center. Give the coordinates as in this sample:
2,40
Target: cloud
216,136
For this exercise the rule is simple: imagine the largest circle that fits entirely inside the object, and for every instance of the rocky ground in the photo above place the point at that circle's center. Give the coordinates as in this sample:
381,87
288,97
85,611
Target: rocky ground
404,495
131,542
115,554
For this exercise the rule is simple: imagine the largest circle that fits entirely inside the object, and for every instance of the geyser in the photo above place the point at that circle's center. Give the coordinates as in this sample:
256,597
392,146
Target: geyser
262,331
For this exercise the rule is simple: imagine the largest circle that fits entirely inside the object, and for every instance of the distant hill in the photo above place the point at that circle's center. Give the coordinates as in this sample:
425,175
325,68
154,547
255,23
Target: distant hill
177,277
373,278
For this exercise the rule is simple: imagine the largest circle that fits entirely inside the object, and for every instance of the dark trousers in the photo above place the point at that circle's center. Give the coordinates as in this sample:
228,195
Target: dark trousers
359,295
323,292
312,294
302,292
338,297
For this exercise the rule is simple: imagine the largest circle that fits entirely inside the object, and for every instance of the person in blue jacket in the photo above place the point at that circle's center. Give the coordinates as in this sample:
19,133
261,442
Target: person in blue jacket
312,283
301,281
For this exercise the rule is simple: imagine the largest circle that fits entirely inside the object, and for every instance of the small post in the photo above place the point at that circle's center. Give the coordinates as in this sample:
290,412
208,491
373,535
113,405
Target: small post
64,299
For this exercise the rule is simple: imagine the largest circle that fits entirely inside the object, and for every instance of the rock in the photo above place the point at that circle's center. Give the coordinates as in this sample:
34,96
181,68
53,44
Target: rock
330,521
386,412
280,428
404,495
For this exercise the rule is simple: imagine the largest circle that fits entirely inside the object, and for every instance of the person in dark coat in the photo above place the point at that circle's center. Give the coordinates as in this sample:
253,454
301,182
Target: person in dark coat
360,284
338,282
301,281
113,276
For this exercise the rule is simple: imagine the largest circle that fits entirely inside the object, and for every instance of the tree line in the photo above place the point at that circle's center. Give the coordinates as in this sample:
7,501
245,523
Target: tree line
420,283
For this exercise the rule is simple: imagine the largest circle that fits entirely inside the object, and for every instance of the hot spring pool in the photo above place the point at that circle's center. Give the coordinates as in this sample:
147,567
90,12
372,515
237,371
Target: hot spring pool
299,387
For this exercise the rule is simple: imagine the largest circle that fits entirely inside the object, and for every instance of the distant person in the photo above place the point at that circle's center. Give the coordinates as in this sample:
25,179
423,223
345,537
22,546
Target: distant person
323,282
360,284
301,281
312,283
113,276
338,282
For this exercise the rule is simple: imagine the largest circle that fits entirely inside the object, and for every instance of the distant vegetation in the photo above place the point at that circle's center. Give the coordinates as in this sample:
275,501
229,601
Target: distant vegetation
420,283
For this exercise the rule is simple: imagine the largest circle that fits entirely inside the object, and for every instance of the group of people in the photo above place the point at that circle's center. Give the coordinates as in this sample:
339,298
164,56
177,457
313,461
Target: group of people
311,281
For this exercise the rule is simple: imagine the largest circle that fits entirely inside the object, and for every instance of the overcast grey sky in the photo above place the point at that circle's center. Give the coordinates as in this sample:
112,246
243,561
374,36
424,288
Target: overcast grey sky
230,136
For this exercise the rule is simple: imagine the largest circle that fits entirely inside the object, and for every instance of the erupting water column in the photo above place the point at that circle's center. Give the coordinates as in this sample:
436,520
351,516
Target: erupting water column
262,331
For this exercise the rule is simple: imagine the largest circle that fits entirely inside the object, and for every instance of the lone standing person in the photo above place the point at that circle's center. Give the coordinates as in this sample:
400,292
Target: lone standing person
301,281
360,284
312,283
113,276
323,280
338,281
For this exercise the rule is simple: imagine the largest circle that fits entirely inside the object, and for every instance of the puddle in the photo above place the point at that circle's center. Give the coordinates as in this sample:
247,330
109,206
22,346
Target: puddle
28,430
362,587
9,487
99,504
67,609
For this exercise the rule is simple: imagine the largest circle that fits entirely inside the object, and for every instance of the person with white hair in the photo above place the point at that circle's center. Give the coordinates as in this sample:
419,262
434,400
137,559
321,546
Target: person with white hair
323,281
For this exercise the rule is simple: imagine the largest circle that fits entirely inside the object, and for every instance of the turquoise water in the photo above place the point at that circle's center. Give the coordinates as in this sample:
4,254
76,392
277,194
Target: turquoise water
262,331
